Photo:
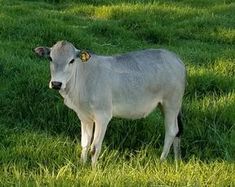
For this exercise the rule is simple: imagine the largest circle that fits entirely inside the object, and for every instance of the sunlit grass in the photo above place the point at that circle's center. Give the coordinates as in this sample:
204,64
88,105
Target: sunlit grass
122,173
113,11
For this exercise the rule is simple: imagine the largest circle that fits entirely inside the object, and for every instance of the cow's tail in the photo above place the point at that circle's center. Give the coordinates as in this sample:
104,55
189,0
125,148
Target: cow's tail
180,124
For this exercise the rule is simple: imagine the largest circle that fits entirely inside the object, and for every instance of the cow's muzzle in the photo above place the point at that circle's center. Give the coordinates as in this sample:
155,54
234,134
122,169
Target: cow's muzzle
56,85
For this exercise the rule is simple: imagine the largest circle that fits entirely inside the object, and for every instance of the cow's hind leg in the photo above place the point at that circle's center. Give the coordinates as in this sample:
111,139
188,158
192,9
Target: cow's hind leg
86,132
171,129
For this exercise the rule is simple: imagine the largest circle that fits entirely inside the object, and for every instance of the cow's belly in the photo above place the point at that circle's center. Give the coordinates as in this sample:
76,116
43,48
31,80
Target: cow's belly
134,110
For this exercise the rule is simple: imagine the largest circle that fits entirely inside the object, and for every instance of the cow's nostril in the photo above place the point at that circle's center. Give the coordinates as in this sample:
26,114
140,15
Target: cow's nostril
56,85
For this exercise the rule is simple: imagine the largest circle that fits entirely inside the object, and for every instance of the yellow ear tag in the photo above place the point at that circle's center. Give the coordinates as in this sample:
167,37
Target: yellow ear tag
84,56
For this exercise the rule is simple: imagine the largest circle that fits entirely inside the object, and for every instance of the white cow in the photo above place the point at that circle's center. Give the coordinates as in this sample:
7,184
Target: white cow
128,86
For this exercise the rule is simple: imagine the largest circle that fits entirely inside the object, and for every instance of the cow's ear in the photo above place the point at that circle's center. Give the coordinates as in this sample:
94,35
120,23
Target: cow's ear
43,51
84,56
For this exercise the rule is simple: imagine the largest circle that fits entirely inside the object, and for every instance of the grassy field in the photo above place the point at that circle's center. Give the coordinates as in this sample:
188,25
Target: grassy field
40,137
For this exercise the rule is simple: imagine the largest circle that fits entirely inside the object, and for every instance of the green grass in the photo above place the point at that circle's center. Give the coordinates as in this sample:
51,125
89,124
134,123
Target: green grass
40,137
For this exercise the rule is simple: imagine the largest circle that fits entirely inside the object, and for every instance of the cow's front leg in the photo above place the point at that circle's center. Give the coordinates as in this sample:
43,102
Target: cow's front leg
86,132
101,123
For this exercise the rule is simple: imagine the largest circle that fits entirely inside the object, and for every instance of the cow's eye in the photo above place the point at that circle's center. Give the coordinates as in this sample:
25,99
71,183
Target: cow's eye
50,58
71,61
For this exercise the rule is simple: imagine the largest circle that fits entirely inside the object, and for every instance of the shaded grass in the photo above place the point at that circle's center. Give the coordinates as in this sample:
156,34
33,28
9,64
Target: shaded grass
39,139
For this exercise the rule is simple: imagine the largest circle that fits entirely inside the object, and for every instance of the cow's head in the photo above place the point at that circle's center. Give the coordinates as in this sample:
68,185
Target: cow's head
63,58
